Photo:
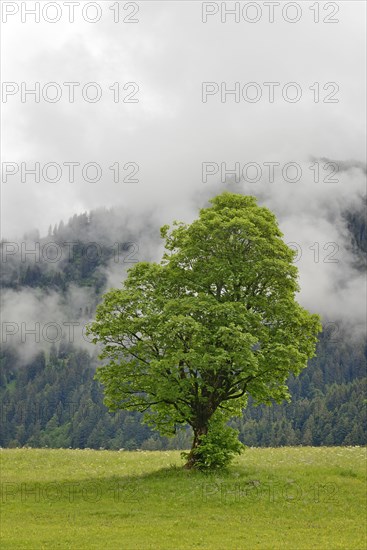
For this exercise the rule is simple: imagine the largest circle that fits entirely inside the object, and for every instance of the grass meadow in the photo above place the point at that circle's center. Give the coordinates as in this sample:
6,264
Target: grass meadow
294,498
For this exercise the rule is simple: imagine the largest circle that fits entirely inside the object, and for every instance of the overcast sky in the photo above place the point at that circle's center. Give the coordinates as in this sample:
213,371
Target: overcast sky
169,52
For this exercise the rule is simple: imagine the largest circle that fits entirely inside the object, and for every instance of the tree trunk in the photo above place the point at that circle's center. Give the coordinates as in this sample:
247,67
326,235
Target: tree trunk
192,459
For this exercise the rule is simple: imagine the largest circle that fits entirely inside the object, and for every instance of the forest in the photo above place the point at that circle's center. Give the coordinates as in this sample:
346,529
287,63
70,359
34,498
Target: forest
49,397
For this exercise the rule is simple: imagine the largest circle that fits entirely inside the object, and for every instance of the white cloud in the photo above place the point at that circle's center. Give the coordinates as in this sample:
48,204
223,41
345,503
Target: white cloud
170,132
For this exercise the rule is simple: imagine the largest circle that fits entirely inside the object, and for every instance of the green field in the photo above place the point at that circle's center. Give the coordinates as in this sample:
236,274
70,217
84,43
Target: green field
291,497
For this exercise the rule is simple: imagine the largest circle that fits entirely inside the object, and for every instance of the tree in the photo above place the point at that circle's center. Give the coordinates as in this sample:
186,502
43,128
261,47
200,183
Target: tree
186,341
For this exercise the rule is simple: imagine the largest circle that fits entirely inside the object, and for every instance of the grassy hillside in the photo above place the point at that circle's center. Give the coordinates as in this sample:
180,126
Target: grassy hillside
269,499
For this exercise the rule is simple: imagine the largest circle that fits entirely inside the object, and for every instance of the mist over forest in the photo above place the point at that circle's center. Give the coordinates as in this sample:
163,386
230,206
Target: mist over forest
51,285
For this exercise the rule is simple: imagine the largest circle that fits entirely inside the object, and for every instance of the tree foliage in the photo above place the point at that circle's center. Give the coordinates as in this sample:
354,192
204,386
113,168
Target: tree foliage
214,322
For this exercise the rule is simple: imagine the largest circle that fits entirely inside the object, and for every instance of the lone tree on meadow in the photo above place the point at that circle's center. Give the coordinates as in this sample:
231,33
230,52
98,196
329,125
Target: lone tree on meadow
189,339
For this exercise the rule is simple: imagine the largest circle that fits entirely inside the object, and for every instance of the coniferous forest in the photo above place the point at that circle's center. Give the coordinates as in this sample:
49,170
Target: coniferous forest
49,397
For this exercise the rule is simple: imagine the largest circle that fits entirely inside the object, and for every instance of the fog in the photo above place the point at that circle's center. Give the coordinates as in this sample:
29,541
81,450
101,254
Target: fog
162,142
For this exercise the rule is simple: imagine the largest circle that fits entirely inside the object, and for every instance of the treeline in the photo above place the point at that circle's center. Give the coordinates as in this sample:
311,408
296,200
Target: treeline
73,253
336,417
356,224
55,402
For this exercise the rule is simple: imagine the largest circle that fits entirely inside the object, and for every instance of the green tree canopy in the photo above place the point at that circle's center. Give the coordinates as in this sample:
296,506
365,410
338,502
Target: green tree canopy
189,339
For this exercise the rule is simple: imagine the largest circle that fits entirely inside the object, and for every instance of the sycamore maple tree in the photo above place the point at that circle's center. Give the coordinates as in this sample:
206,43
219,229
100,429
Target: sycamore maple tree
188,340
